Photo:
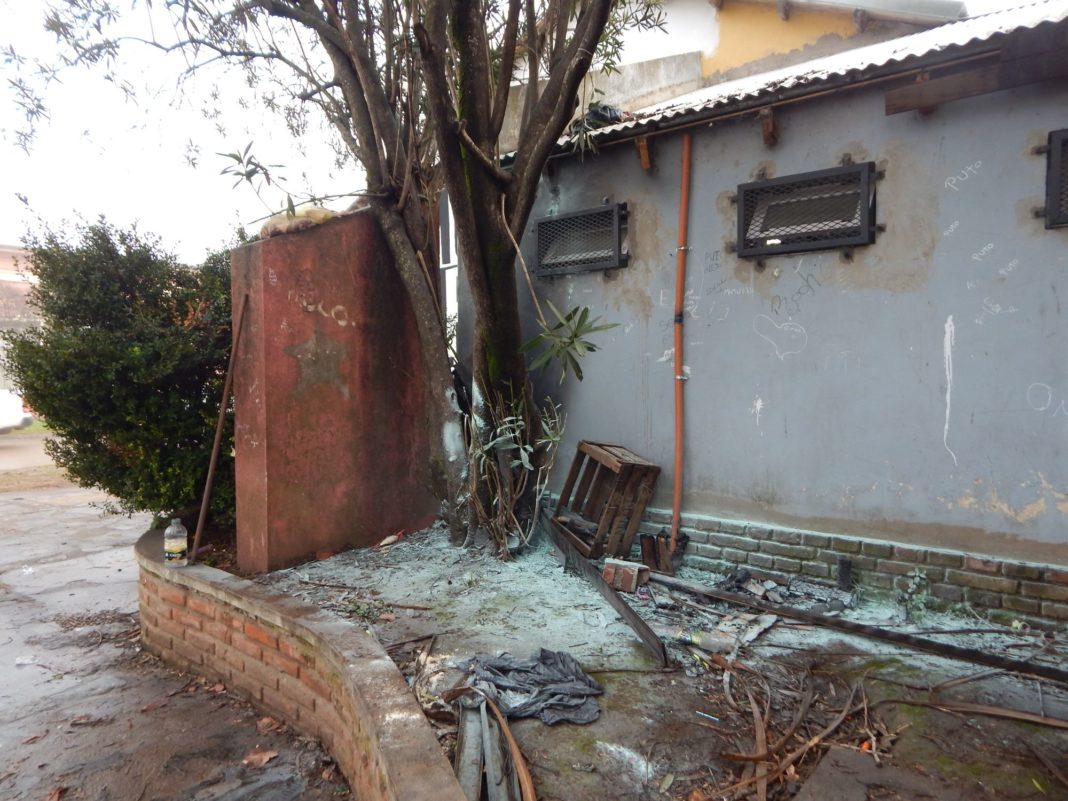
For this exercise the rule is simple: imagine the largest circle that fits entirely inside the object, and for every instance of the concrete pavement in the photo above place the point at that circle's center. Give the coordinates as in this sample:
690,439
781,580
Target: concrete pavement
82,708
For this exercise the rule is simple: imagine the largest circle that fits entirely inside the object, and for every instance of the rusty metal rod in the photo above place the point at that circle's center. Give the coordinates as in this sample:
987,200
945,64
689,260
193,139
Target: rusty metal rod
214,461
875,632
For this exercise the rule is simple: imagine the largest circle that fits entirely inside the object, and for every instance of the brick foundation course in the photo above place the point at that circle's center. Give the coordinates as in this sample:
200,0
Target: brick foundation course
321,675
1004,590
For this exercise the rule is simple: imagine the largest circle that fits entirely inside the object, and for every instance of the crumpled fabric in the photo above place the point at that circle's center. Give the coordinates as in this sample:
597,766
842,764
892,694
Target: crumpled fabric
550,686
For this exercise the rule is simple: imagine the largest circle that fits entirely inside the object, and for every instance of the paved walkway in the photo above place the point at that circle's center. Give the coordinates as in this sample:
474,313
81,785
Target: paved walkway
82,708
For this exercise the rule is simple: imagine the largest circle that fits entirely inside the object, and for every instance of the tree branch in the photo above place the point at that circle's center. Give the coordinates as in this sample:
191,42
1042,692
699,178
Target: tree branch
504,74
530,97
491,166
552,113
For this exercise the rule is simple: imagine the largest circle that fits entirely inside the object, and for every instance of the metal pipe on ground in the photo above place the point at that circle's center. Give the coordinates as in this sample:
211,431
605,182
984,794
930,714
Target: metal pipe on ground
875,632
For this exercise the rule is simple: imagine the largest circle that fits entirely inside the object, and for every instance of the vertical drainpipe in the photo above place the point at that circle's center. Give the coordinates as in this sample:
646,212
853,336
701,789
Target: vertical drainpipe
680,297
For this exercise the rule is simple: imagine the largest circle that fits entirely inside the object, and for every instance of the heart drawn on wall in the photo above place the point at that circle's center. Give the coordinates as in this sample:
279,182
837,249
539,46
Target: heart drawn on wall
788,338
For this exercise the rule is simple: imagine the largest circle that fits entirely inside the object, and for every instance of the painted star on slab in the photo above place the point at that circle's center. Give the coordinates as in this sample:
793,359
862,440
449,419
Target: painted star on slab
320,359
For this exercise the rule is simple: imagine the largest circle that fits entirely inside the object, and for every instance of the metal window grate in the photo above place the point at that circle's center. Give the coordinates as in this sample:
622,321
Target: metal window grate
591,239
1057,180
810,211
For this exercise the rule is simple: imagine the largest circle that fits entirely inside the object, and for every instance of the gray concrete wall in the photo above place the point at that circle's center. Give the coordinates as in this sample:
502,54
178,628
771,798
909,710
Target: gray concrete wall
917,393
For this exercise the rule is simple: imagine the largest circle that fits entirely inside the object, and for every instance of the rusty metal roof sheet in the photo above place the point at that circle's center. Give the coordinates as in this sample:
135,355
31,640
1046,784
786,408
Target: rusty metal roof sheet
850,64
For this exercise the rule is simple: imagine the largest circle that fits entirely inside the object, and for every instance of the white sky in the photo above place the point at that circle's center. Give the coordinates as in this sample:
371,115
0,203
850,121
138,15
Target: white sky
99,154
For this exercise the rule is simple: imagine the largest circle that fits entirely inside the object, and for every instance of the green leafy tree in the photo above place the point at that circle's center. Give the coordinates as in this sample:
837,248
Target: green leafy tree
417,93
127,367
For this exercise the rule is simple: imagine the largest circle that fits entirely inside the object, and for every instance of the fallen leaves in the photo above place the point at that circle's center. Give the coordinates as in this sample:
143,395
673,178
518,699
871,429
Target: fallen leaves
268,724
88,720
57,793
34,738
258,757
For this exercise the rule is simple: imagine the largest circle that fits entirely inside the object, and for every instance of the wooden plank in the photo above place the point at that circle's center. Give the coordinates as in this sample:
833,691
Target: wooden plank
648,546
626,455
598,451
468,764
573,539
607,524
575,563
1005,74
645,492
941,90
663,555
572,477
625,510
578,500
603,483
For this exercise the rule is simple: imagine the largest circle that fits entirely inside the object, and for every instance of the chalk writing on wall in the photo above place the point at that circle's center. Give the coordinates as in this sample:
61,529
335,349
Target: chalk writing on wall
787,338
790,304
757,408
948,341
991,309
953,181
1041,398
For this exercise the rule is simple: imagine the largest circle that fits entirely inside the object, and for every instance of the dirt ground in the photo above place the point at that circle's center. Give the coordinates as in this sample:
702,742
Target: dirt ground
923,726
24,464
86,715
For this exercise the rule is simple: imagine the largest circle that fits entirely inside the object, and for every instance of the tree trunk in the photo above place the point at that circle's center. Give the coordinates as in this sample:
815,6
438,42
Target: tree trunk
448,454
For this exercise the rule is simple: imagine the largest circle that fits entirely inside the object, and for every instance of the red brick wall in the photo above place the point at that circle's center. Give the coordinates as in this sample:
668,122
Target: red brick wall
330,434
321,675
1004,590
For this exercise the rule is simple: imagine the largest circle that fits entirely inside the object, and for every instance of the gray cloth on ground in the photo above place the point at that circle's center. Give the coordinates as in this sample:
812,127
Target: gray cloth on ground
550,686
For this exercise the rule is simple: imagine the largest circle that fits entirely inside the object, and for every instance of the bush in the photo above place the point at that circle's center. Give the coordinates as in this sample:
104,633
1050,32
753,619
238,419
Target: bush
128,366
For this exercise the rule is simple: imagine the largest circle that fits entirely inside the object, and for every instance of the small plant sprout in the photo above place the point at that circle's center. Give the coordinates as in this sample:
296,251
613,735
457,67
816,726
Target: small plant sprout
566,340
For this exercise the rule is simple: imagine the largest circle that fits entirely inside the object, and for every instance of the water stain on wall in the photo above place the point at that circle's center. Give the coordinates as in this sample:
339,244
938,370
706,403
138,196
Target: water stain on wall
901,258
1045,496
649,249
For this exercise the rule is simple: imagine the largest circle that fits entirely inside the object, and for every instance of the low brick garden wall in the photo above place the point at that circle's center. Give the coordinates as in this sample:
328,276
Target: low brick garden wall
1004,590
323,676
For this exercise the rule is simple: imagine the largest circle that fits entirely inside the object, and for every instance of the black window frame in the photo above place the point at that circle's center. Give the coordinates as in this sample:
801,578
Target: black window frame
865,175
543,231
1056,182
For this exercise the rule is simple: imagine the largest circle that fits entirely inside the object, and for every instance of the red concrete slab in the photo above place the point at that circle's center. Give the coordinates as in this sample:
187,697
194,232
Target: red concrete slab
330,432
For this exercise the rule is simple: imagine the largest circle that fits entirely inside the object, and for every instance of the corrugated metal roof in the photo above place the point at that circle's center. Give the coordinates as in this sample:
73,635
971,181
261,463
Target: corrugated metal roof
851,63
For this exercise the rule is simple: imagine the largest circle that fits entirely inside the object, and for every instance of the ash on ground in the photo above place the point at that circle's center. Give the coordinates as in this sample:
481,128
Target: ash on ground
764,685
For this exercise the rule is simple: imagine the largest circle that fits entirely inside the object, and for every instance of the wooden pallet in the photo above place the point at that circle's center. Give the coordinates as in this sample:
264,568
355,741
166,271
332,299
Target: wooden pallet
604,498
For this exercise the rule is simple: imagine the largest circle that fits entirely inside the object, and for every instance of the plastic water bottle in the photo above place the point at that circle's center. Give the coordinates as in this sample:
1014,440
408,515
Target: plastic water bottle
175,544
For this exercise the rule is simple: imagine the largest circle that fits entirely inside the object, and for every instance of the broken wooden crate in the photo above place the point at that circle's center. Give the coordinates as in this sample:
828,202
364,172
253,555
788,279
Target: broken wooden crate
604,498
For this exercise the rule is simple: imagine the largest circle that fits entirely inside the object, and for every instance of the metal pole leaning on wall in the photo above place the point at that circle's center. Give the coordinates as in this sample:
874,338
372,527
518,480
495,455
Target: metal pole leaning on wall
214,461
680,299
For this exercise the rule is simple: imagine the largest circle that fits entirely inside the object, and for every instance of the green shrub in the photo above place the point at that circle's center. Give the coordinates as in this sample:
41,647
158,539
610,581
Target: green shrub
128,366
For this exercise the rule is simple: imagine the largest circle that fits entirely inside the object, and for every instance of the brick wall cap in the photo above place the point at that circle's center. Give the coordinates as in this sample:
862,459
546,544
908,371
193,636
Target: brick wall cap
366,678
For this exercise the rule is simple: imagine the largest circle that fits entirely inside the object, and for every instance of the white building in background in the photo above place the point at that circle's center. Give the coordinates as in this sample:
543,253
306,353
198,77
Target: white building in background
15,312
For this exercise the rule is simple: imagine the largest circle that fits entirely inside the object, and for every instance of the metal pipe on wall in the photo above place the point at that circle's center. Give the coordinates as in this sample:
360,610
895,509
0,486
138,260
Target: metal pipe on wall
680,299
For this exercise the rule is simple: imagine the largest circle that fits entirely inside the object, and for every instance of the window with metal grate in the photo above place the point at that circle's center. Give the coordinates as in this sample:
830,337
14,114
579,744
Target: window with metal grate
1057,180
809,211
591,239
